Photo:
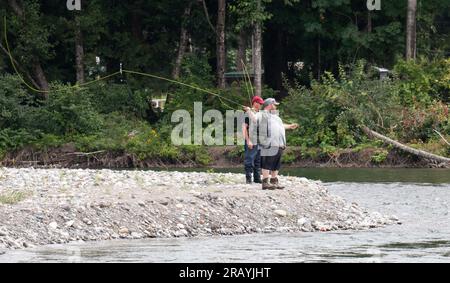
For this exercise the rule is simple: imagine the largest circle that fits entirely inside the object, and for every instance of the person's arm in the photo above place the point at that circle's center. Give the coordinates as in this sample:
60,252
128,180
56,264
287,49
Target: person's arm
247,136
291,127
251,115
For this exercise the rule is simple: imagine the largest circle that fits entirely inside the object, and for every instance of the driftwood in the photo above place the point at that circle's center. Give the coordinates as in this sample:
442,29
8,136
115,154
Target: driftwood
442,137
405,148
86,154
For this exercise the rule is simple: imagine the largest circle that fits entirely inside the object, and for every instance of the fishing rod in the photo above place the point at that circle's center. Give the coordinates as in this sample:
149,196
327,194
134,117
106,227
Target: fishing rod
120,72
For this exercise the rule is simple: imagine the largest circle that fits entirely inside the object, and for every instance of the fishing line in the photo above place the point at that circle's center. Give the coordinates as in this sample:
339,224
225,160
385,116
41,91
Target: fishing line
121,72
246,85
249,79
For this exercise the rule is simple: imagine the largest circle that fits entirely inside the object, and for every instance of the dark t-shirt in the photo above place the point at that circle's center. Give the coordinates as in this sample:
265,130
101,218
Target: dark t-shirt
253,137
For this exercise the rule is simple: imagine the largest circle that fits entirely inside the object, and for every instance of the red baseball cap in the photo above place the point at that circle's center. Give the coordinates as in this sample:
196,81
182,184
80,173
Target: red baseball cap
258,99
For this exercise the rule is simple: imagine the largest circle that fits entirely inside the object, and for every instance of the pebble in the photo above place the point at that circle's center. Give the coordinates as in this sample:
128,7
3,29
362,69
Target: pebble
303,221
280,213
53,225
69,223
202,206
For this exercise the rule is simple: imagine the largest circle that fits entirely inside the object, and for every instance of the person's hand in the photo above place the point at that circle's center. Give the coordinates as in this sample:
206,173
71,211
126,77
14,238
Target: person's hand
246,109
294,126
250,145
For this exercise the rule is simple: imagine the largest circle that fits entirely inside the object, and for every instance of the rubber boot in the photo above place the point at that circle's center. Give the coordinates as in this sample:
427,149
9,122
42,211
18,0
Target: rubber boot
248,178
257,177
276,184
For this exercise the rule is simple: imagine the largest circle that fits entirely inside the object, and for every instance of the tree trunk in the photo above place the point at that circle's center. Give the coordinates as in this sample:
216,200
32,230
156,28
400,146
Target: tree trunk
79,52
16,7
274,58
184,40
411,24
221,50
405,148
208,19
369,22
36,67
258,55
136,25
35,84
40,77
241,58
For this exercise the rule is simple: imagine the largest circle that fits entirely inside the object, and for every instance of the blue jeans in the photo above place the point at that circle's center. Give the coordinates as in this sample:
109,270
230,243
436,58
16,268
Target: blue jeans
252,162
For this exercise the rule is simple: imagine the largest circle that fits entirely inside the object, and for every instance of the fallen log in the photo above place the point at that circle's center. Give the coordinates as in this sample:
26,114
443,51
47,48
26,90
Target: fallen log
406,148
442,137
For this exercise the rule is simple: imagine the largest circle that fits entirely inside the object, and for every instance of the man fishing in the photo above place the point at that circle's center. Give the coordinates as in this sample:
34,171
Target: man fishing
272,140
252,153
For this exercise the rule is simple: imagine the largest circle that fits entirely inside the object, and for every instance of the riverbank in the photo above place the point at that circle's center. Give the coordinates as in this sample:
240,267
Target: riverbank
214,157
57,206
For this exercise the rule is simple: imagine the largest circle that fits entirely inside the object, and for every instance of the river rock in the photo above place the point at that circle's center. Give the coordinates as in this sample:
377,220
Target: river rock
189,204
280,213
302,222
53,225
69,223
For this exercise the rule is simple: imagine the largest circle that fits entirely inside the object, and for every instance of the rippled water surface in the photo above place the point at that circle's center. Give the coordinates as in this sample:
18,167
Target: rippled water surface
419,198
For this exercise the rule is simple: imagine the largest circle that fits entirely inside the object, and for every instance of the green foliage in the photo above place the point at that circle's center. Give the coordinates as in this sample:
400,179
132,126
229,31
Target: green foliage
65,112
289,157
380,156
15,139
31,33
198,154
332,110
13,101
198,73
424,81
248,12
119,98
145,36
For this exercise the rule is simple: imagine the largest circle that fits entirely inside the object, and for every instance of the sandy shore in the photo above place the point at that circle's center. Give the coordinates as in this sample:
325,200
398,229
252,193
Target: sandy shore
56,206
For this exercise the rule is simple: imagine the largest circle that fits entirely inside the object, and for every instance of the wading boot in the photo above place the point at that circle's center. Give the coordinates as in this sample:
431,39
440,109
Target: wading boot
267,186
257,177
248,179
276,184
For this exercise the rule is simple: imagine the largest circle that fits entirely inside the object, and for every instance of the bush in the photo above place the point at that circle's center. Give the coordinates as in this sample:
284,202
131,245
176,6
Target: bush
14,101
119,98
65,112
15,139
423,81
380,156
331,111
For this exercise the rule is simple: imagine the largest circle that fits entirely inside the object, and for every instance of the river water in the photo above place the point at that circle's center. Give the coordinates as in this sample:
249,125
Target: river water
420,198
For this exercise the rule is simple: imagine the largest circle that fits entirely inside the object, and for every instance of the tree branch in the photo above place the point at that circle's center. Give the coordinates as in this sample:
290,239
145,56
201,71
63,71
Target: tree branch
205,9
442,137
